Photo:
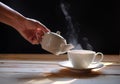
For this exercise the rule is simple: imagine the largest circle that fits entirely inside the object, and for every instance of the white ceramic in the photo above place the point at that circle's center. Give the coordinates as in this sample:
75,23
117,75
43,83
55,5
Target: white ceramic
81,59
55,43
68,64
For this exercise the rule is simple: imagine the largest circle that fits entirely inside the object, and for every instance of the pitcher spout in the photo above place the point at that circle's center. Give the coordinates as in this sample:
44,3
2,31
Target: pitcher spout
66,47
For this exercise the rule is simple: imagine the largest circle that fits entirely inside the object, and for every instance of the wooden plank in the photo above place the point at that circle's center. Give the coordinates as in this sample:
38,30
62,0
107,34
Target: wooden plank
49,57
42,78
32,57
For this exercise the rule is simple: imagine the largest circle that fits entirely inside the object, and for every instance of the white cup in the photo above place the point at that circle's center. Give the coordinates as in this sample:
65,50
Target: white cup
81,59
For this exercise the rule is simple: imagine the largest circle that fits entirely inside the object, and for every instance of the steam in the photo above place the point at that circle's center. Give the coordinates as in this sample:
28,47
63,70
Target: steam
87,46
72,33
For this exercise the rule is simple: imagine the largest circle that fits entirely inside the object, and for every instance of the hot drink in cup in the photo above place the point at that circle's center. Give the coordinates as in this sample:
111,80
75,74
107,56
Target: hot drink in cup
81,59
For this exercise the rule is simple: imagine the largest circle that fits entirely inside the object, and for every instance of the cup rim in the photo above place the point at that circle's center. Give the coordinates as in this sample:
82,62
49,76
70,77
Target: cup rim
82,51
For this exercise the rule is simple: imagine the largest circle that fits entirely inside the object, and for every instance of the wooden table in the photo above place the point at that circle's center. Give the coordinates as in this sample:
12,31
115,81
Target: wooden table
44,69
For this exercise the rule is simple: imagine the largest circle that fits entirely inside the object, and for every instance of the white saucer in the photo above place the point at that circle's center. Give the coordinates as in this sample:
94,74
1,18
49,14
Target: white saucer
67,64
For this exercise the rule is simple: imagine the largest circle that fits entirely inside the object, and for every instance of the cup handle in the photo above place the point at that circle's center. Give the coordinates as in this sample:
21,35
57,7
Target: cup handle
98,61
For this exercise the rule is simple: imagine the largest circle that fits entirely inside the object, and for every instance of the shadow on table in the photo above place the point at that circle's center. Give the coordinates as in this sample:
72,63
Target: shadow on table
73,74
61,76
66,73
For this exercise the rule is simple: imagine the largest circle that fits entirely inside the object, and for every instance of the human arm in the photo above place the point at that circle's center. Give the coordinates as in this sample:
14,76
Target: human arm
25,26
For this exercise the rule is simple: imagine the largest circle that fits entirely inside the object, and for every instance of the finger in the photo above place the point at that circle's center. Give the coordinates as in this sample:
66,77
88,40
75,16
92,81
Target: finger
44,28
39,34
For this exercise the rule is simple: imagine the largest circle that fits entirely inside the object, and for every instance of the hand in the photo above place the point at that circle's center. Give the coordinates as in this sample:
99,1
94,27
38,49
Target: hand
32,30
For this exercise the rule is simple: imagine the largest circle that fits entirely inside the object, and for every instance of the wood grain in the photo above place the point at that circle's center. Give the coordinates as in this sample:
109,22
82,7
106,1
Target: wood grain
44,69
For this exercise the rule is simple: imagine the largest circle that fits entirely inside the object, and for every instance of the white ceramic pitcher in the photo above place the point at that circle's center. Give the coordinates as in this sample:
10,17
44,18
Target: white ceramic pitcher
55,43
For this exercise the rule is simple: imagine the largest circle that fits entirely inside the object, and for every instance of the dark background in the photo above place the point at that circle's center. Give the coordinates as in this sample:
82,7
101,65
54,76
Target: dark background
96,20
